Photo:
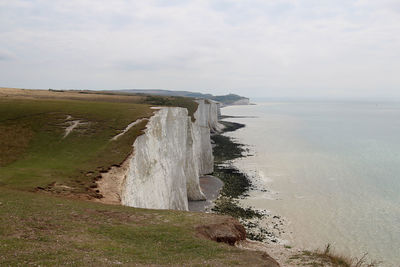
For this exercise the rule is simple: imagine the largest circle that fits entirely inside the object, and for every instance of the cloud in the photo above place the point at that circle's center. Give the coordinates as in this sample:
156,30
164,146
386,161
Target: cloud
6,56
253,47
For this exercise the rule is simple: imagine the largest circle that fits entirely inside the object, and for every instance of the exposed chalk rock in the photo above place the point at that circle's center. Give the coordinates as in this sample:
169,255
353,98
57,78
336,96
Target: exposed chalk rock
192,170
72,125
156,177
164,170
202,138
214,114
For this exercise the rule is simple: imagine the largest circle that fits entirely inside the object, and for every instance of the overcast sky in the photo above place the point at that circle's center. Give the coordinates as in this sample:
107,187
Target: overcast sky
335,48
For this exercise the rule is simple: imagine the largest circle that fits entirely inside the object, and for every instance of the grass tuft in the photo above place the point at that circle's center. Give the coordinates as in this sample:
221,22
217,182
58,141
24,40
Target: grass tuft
327,257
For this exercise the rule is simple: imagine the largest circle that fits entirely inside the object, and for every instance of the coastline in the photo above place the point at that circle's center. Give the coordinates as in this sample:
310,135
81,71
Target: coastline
280,245
261,225
264,229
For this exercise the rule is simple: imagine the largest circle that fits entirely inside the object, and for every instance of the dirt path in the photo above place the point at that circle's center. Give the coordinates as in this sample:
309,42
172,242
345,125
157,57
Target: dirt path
71,127
127,128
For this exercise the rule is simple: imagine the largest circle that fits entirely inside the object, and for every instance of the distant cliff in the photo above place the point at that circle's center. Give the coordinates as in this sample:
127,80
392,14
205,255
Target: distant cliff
230,99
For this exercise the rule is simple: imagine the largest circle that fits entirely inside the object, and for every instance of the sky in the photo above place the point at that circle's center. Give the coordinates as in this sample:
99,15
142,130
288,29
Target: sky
256,48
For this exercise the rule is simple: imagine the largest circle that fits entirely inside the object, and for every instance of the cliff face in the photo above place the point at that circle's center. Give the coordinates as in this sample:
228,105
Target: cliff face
169,157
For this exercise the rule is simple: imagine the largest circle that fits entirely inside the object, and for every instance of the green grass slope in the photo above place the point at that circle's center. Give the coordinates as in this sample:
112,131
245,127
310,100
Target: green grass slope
36,154
38,229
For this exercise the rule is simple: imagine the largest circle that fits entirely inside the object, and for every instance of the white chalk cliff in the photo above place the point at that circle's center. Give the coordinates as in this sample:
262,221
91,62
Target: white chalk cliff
169,158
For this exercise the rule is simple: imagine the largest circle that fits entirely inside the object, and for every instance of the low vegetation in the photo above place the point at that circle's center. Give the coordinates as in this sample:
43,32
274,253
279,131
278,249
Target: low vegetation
173,101
38,229
327,257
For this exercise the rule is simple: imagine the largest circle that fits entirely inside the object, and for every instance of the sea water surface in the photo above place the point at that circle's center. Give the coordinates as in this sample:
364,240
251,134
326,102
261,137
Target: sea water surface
333,171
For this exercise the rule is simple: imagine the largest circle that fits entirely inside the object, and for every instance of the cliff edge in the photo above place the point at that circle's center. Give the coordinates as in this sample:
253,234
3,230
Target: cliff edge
167,160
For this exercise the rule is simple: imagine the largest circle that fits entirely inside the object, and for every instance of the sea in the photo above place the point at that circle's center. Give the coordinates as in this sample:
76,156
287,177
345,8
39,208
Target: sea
332,170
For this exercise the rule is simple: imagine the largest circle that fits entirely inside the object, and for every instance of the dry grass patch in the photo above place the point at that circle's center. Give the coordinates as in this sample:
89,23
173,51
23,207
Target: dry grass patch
327,257
68,95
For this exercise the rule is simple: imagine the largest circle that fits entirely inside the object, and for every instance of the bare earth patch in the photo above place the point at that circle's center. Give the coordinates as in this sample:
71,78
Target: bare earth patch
71,127
128,128
111,183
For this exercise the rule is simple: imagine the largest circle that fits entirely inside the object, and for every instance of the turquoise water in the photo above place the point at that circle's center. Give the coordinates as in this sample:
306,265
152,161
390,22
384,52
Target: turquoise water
333,170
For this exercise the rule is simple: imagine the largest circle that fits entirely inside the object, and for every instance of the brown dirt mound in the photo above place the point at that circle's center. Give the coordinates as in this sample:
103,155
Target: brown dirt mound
227,231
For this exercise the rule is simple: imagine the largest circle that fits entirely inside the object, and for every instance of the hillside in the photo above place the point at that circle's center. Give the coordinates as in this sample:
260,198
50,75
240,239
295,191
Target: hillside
62,144
229,99
48,171
38,229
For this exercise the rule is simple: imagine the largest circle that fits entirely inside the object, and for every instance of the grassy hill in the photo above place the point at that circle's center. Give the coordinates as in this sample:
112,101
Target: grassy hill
47,177
38,229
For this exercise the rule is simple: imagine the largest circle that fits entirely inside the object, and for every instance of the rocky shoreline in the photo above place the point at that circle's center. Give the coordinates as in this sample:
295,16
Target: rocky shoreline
260,225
